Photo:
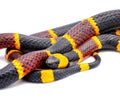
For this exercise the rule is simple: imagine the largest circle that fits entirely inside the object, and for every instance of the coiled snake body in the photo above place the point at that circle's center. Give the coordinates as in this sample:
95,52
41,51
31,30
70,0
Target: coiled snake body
71,40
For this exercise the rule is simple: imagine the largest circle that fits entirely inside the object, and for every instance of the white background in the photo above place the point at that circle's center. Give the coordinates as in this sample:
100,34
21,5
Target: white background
97,87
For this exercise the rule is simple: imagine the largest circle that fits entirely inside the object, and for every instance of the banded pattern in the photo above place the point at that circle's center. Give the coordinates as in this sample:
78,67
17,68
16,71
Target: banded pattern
89,47
103,42
72,39
55,32
24,42
50,75
26,63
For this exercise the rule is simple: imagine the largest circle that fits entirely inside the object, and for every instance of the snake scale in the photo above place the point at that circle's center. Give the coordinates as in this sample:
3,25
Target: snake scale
78,41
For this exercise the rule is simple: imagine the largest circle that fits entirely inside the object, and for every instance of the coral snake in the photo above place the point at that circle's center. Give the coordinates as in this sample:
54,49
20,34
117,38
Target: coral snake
78,41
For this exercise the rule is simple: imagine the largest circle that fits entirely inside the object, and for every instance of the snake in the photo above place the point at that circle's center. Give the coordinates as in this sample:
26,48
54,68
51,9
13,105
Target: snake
55,33
106,42
72,39
39,75
102,42
23,42
12,54
50,75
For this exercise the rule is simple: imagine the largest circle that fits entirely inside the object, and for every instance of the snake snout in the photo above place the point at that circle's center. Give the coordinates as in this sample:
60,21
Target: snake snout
52,62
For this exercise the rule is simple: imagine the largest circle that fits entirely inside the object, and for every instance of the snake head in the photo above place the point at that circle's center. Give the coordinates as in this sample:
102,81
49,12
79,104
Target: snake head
57,60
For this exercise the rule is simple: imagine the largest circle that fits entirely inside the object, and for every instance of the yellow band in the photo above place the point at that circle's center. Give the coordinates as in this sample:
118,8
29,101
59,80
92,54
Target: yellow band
52,33
95,53
118,46
94,24
48,52
97,41
63,60
47,75
53,41
117,32
84,67
80,54
71,40
11,52
17,41
19,68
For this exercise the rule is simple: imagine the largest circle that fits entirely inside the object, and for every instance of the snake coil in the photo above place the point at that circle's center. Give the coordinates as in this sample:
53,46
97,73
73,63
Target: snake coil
80,40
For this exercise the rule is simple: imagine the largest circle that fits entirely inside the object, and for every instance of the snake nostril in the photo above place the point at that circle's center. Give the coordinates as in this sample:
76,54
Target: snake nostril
52,62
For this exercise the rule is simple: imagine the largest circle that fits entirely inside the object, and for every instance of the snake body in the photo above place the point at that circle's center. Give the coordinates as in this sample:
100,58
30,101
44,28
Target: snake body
50,75
77,35
103,42
30,43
